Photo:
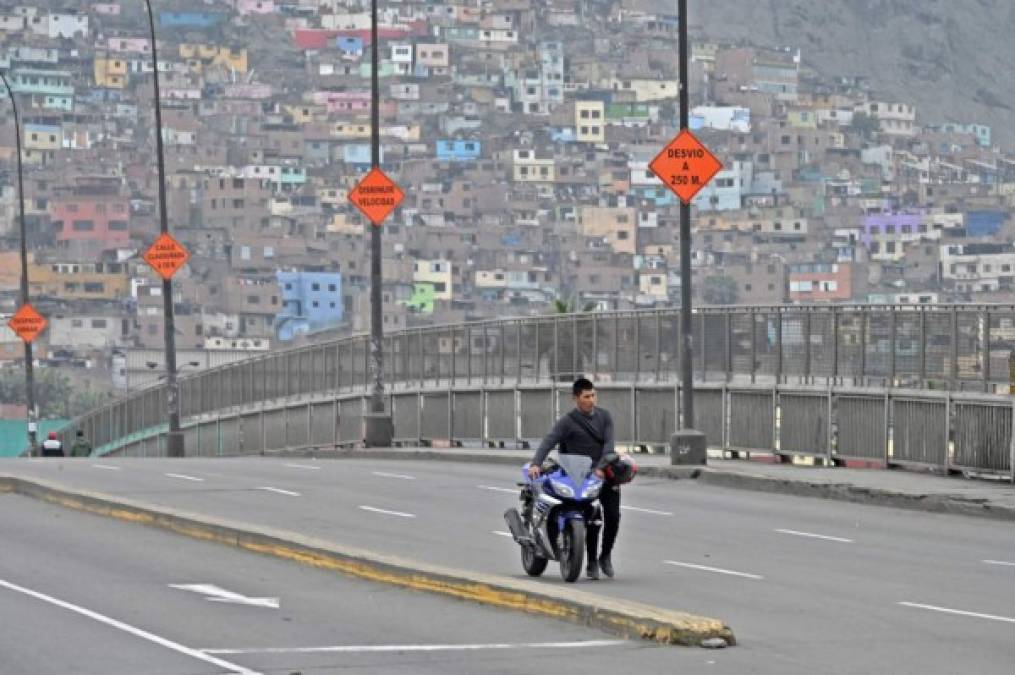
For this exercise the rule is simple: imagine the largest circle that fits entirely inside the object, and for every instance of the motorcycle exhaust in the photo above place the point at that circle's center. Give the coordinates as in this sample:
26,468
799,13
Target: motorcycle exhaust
517,527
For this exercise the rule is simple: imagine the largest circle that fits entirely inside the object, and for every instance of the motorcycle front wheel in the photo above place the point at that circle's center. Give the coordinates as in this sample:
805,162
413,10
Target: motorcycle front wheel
533,564
572,550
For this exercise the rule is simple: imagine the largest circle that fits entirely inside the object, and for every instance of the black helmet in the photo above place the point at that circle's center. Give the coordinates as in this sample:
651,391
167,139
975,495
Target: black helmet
621,469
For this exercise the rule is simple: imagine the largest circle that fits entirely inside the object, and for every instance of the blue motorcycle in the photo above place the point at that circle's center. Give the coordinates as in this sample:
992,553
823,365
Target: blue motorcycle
556,509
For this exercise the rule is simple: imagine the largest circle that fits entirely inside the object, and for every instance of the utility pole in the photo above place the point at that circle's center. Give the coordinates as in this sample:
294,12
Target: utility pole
378,425
29,366
687,445
174,440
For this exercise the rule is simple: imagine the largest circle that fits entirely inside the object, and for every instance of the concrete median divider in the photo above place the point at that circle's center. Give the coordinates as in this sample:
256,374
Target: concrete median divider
627,619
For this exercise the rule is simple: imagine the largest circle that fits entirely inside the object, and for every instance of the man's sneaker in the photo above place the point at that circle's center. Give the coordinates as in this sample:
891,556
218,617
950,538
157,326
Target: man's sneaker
606,565
593,571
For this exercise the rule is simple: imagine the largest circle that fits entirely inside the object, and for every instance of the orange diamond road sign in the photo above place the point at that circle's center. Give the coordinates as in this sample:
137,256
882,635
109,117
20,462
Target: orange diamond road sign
685,165
376,196
166,256
27,323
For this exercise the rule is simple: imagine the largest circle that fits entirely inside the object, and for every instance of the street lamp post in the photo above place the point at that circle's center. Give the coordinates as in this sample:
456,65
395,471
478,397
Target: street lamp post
29,366
174,440
377,428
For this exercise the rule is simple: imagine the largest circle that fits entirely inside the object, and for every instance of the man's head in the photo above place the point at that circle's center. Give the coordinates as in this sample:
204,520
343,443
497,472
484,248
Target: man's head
584,393
80,434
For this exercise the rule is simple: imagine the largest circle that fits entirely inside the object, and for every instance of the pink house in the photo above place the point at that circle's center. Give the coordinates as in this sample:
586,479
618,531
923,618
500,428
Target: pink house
343,101
127,45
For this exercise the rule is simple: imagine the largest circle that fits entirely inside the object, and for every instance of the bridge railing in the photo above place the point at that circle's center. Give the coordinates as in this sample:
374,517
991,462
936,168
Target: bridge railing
954,348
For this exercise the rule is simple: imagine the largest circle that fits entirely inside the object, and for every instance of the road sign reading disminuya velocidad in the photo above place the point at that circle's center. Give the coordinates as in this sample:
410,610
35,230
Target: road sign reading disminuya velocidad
166,256
27,323
685,165
376,196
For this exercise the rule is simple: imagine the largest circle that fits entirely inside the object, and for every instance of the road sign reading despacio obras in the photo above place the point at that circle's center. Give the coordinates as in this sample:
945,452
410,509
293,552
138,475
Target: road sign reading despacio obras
27,323
376,196
166,256
685,165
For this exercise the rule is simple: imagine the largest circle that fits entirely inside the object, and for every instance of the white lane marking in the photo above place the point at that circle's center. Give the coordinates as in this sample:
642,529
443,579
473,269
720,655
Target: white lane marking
213,593
309,467
388,513
279,491
402,476
185,477
999,562
127,628
497,489
417,648
959,612
815,536
502,533
717,570
107,467
641,510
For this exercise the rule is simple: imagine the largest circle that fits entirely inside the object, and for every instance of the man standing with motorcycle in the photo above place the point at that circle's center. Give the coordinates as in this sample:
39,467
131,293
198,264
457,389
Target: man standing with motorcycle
588,430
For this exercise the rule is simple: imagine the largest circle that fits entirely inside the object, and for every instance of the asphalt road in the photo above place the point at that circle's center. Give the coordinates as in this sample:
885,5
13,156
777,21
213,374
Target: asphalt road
807,585
84,594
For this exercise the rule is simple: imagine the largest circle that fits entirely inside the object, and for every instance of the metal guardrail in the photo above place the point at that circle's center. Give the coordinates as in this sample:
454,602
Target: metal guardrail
934,348
898,428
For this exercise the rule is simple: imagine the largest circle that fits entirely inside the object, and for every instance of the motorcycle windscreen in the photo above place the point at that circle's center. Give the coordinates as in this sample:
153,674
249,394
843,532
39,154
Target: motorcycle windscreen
578,467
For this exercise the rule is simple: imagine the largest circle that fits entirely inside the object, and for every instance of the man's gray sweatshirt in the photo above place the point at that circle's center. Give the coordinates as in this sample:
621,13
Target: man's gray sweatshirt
575,440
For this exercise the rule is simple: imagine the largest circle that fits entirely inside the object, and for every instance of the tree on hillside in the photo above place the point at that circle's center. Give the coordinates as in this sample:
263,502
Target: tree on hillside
56,395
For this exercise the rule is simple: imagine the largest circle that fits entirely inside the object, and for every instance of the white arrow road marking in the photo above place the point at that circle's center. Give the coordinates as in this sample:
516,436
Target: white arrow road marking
640,510
815,536
388,513
959,612
183,477
417,648
502,533
107,467
309,467
1000,562
401,476
279,491
213,593
127,628
717,570
498,489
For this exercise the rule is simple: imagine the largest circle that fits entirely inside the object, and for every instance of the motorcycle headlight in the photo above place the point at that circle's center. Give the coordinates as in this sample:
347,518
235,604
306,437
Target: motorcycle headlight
592,491
562,489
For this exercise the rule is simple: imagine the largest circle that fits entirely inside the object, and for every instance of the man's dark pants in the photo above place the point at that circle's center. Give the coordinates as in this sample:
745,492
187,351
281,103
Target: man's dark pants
610,500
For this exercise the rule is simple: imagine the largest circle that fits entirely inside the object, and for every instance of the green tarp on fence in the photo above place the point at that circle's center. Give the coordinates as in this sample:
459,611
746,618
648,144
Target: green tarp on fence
14,435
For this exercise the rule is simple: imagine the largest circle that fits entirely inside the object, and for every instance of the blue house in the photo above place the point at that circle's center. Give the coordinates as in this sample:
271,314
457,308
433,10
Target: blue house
984,223
358,154
458,151
350,47
310,301
189,19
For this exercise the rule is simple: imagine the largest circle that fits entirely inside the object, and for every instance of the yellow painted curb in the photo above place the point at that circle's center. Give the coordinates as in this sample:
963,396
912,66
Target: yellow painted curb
627,619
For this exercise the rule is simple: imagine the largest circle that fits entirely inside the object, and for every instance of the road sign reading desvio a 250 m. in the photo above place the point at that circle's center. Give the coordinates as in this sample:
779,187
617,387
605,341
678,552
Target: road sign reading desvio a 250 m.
685,165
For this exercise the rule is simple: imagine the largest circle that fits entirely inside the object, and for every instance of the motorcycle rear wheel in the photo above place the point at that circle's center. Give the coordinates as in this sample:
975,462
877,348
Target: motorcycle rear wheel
572,550
533,564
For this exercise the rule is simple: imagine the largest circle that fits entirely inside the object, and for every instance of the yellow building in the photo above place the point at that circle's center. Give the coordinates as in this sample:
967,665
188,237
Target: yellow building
439,273
110,72
349,130
42,137
590,121
616,225
645,90
199,56
527,168
306,113
79,280
653,283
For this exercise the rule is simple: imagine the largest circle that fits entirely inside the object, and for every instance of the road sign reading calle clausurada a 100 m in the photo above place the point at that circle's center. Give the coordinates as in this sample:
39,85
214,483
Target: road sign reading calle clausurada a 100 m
685,165
166,256
376,196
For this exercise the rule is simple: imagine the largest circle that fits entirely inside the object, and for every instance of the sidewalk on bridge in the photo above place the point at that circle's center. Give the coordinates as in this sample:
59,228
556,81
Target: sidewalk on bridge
898,488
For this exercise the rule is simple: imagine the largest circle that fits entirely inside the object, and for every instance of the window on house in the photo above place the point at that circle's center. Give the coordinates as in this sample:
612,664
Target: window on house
83,225
117,225
253,300
332,288
94,287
